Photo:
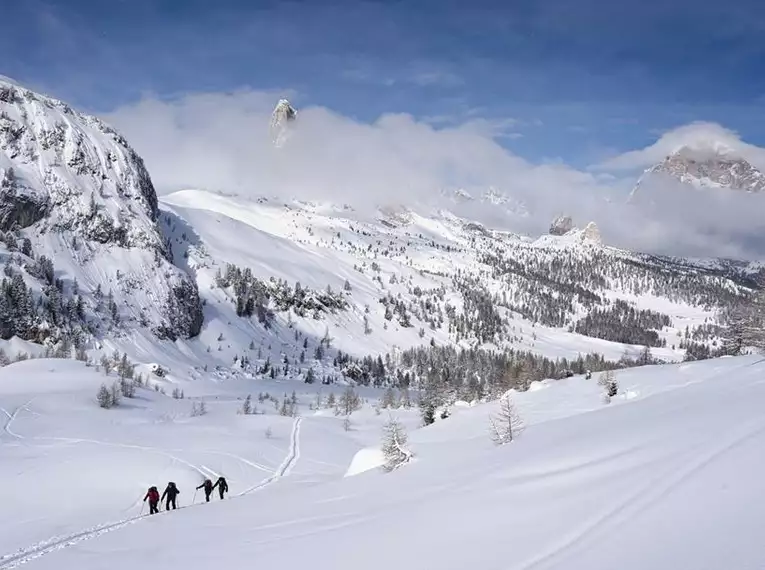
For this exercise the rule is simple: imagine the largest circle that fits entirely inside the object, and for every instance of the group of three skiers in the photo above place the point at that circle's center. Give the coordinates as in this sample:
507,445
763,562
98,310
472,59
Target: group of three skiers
171,492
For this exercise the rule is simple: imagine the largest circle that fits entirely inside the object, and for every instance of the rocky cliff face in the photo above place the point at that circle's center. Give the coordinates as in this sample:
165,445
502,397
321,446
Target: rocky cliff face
74,188
706,168
283,114
561,225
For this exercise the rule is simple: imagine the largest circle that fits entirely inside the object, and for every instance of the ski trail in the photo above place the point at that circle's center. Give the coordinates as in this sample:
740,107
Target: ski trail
24,555
127,446
55,543
209,471
286,466
11,417
642,499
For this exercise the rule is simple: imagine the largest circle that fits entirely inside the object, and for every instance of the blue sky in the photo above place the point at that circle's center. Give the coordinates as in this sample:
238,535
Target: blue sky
570,80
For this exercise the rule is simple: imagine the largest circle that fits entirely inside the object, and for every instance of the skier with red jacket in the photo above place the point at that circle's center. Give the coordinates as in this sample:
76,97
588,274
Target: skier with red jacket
153,495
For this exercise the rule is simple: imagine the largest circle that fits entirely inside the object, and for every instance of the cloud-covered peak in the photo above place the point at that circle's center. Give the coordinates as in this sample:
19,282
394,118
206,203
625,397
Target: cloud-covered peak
699,141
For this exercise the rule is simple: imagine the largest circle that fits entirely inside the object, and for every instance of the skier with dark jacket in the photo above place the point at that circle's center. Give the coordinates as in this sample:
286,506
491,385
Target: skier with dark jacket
222,486
153,495
208,486
171,492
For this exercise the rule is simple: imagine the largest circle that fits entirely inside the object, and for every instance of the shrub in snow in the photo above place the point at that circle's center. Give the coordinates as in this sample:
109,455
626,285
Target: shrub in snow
394,447
347,423
198,409
507,424
269,433
247,405
178,393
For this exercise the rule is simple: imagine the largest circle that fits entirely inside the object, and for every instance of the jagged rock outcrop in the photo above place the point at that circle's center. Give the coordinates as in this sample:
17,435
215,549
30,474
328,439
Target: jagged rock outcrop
705,167
73,187
561,225
591,233
283,114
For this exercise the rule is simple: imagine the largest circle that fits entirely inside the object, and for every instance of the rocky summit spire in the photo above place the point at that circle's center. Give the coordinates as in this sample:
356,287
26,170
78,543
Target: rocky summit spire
284,113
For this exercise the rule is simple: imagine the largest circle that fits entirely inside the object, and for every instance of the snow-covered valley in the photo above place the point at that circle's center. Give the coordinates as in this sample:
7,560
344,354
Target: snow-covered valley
657,478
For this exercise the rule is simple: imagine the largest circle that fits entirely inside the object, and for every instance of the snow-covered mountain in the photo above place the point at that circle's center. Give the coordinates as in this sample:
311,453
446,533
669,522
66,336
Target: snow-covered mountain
290,288
381,285
83,254
706,166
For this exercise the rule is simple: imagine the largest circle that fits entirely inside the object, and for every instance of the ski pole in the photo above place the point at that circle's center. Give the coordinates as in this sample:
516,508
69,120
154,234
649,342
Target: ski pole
142,506
194,500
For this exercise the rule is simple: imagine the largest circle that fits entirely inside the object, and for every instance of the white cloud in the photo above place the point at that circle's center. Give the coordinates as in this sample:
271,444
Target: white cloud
700,135
221,142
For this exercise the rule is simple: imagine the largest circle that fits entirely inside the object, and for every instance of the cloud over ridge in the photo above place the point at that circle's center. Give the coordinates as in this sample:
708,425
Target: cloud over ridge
220,142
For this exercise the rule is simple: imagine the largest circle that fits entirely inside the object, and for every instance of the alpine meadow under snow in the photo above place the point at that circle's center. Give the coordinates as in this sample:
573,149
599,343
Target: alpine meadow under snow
658,478
373,383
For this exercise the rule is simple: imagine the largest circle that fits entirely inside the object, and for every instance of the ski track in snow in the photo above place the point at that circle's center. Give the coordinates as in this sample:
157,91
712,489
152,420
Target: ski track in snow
293,455
639,501
11,417
56,543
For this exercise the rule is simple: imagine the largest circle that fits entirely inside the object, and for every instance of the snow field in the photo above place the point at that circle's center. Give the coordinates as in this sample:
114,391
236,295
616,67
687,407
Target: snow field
659,478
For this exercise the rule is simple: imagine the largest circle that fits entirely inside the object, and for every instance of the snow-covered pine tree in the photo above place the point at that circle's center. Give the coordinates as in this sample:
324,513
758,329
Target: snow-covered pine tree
247,405
127,387
349,402
389,399
116,393
104,397
607,379
507,424
394,445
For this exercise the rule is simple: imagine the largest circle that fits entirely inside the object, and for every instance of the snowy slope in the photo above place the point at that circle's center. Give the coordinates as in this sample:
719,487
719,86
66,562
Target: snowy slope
412,257
666,476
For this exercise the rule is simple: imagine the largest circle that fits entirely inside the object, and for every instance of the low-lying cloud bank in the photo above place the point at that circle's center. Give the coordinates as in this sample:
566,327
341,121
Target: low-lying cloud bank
221,142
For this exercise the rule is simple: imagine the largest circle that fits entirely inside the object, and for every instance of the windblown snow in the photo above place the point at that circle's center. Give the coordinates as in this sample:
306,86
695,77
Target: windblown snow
667,475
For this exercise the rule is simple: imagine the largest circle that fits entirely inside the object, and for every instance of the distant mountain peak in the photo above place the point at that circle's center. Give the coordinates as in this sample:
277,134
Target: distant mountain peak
708,164
283,114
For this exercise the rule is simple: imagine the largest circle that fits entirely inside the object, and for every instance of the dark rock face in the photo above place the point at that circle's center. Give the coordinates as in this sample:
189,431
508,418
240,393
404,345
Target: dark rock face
19,210
183,312
561,225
